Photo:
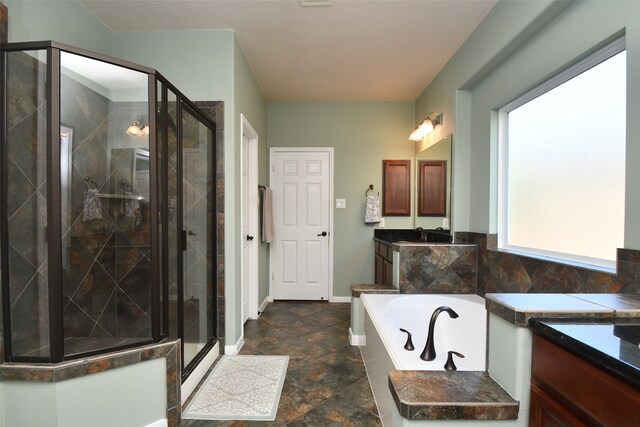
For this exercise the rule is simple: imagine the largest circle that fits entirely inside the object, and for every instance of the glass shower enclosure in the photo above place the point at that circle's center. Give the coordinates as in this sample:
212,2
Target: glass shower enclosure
107,208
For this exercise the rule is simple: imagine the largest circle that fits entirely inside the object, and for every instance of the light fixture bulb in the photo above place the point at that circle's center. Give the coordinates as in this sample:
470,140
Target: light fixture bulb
426,127
137,128
133,130
416,135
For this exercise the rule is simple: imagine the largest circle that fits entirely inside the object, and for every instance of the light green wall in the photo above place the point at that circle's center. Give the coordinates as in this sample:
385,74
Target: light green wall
250,102
362,134
198,63
502,32
515,76
63,21
523,44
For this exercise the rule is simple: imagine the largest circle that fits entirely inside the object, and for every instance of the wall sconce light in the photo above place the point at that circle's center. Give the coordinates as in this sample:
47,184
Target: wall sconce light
138,128
431,121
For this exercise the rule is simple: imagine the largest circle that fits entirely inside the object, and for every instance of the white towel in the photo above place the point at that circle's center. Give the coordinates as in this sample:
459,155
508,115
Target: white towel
267,215
92,206
372,210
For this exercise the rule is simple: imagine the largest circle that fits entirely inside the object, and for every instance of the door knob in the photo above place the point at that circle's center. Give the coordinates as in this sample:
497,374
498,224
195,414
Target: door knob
191,233
249,238
323,234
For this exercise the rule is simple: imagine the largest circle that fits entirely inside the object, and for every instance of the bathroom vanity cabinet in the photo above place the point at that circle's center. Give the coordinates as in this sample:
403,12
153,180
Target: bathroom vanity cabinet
568,391
384,264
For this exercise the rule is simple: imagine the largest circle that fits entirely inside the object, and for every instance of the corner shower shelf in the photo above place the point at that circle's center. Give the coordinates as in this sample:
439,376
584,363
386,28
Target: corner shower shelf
120,196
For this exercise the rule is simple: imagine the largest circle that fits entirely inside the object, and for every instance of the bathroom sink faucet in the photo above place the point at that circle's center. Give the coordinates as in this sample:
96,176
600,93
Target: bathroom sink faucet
429,352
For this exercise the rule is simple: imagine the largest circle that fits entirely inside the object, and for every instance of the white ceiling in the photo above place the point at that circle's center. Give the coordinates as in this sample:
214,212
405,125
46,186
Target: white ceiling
350,50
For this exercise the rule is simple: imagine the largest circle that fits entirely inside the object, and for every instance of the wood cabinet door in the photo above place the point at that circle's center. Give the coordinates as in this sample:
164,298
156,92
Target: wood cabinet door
379,270
396,187
432,188
546,412
388,273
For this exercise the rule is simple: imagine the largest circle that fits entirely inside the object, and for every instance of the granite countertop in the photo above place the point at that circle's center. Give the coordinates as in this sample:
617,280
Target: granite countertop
519,309
612,347
357,290
444,395
412,236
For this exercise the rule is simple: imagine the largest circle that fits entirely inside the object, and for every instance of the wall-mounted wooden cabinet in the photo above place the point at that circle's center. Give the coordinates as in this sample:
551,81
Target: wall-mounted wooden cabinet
396,187
432,188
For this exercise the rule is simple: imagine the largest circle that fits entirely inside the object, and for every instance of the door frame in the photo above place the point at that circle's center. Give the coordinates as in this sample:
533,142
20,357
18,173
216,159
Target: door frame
252,136
330,151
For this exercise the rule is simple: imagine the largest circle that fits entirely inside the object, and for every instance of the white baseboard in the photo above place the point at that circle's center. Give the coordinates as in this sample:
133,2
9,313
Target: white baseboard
357,340
160,423
266,301
340,299
198,374
234,349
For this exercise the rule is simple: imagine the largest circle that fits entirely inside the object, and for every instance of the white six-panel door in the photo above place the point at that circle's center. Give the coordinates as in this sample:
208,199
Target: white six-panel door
301,214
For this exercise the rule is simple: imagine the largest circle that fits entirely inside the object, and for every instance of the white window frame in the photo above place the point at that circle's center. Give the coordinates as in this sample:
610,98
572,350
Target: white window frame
608,51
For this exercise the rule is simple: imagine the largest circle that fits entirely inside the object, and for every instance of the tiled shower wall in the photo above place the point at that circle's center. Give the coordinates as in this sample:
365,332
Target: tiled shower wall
105,262
26,202
504,272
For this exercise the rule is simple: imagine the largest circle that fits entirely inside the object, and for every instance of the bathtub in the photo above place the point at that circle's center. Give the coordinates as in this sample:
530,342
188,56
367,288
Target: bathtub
384,349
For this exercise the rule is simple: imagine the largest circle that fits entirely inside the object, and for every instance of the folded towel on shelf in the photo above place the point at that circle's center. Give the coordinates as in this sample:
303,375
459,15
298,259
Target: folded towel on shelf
267,215
372,210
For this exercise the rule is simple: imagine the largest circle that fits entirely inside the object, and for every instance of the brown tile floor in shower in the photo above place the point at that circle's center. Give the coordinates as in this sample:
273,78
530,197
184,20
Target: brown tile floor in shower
326,383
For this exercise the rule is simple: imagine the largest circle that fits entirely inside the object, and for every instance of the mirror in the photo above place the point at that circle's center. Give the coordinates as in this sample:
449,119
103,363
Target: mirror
428,206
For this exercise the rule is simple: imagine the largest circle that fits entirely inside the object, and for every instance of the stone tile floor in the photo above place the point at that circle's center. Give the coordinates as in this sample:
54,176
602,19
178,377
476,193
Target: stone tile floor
326,383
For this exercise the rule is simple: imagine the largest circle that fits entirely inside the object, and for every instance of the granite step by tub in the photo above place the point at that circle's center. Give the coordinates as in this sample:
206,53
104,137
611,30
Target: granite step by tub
445,395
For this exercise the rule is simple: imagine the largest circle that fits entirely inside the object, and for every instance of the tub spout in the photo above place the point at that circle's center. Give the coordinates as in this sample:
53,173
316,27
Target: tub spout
429,352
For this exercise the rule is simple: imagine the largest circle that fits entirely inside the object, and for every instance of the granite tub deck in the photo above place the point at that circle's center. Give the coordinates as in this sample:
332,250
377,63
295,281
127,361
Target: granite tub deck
443,395
519,309
603,329
502,392
415,396
356,329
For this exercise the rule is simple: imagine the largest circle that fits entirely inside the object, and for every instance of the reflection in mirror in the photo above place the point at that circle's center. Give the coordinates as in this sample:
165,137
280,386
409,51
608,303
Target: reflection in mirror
440,152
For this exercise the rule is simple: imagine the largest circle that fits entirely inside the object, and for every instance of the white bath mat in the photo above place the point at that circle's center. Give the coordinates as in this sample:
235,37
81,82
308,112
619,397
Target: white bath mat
240,388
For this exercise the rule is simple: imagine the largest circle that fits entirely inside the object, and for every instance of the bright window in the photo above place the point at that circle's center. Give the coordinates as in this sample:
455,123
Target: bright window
562,164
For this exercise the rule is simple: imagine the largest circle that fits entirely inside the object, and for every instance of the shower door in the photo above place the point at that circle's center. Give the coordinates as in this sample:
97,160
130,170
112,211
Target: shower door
189,228
197,221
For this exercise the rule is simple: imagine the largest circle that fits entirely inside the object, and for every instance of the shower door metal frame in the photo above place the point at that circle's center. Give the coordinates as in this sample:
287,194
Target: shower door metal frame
159,249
